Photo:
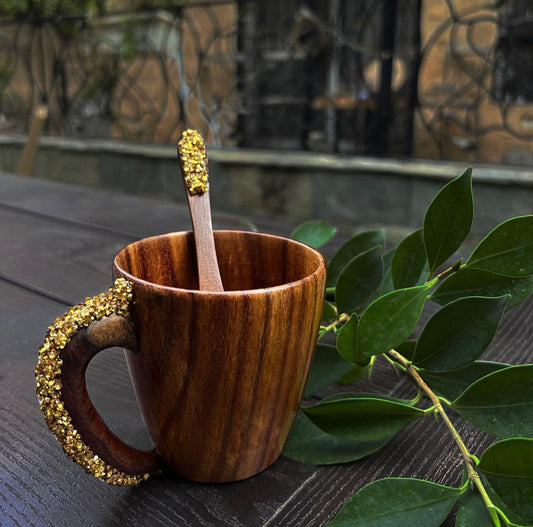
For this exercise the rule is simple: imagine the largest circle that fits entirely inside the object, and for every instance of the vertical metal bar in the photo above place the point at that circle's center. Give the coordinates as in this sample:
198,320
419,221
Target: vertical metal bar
179,58
246,72
412,80
61,74
383,108
333,76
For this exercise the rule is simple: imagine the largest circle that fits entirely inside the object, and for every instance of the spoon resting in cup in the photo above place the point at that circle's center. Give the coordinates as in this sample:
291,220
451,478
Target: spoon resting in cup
193,161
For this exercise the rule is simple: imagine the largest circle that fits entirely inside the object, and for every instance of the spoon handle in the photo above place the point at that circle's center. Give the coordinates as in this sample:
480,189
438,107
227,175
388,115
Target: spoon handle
193,162
206,256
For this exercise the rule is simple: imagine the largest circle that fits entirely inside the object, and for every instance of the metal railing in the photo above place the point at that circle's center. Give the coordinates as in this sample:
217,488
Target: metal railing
136,76
475,84
419,78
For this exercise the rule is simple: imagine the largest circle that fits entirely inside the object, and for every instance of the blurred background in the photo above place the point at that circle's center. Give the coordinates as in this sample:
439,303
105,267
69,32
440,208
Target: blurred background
310,89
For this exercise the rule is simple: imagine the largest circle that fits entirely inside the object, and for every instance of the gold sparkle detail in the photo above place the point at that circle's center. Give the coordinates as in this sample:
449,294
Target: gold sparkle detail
48,376
193,157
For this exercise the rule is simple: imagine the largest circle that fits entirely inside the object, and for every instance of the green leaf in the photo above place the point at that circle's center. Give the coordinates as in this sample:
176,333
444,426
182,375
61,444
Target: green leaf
388,321
514,519
362,418
314,233
327,368
352,375
500,403
409,261
448,219
356,245
475,282
459,333
472,511
359,280
507,249
451,384
508,467
398,502
328,311
347,339
365,395
407,349
309,444
387,285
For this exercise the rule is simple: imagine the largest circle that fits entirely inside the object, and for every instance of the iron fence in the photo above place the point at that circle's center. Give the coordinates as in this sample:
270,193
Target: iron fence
136,76
475,96
423,78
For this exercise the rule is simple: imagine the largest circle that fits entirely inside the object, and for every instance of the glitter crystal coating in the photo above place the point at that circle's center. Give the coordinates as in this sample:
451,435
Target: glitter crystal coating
48,376
191,151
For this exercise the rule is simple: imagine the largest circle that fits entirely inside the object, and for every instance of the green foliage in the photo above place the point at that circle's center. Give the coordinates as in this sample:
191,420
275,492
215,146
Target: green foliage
448,219
314,233
328,367
387,284
47,8
388,321
375,302
347,339
409,261
472,511
451,384
475,282
459,333
359,280
353,247
506,250
508,467
500,403
308,443
359,417
329,311
394,502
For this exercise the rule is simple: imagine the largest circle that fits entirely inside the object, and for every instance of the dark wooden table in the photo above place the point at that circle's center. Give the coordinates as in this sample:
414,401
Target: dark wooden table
57,244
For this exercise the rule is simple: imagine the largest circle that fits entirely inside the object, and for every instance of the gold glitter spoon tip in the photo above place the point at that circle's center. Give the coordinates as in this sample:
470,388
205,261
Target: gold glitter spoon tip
193,162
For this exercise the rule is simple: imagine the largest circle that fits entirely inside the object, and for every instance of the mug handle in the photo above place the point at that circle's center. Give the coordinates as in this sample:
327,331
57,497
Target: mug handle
71,342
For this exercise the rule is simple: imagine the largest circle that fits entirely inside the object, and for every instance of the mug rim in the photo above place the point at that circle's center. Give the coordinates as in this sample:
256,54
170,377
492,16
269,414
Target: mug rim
321,267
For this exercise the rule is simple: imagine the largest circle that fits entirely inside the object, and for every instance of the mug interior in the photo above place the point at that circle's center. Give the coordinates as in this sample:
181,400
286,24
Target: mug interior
247,260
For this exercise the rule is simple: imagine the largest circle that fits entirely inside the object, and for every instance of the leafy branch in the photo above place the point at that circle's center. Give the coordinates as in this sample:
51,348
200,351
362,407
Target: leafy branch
374,300
469,459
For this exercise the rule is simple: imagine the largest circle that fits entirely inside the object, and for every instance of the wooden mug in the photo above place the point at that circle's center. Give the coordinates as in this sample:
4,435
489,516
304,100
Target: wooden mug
218,376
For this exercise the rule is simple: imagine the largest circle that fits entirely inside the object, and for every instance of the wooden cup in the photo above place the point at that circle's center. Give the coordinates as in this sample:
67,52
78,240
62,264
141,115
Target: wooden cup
218,376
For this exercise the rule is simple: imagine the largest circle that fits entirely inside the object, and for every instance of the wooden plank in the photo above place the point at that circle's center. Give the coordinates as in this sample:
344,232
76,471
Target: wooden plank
44,217
61,258
38,486
73,260
132,215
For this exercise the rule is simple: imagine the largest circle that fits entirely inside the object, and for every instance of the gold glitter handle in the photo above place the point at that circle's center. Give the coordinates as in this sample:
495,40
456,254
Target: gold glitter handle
71,342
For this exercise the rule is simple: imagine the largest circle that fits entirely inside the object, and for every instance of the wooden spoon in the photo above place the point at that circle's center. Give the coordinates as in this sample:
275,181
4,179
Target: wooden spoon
193,162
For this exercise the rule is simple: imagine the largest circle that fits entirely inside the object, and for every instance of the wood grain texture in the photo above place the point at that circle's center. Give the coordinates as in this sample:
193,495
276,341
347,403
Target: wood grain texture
40,487
125,215
77,354
206,256
219,375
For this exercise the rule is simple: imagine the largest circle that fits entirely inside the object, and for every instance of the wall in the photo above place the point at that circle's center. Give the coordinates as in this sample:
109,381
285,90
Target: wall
458,117
296,185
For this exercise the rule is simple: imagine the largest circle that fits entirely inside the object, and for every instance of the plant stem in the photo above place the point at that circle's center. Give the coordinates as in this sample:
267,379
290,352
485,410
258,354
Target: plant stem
343,318
473,474
444,274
